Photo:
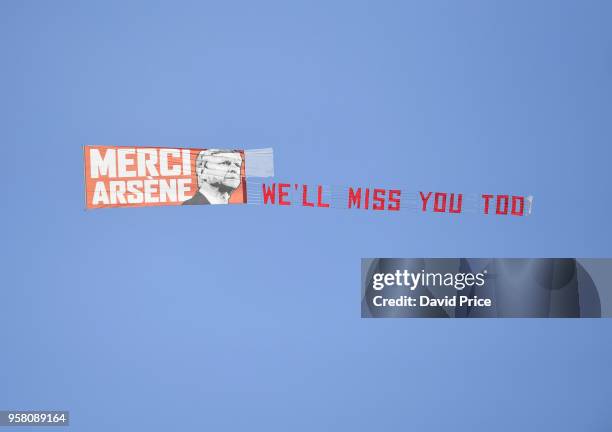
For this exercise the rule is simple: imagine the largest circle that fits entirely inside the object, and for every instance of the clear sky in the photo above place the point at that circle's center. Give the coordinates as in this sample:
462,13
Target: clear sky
248,318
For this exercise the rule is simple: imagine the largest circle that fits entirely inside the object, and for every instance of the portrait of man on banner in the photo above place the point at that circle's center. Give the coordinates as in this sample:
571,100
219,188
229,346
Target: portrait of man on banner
219,174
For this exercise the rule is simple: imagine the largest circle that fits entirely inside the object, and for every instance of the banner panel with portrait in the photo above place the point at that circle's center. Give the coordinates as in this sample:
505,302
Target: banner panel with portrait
118,176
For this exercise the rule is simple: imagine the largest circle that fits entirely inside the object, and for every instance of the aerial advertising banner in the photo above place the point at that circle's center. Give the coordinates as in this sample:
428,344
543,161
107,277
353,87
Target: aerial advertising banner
118,176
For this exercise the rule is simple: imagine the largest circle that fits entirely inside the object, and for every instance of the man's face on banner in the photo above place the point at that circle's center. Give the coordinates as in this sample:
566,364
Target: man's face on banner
220,168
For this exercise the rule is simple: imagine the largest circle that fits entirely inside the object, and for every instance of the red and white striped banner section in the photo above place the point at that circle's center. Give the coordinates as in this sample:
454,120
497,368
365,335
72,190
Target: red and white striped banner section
386,199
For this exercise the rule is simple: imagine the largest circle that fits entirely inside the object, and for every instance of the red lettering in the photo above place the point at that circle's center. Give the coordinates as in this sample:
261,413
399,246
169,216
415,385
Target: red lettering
268,193
354,198
379,202
394,203
498,210
521,210
424,199
459,202
320,202
437,207
486,204
305,203
282,194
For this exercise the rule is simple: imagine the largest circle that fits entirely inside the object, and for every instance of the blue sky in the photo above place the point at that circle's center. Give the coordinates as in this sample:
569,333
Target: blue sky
248,318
